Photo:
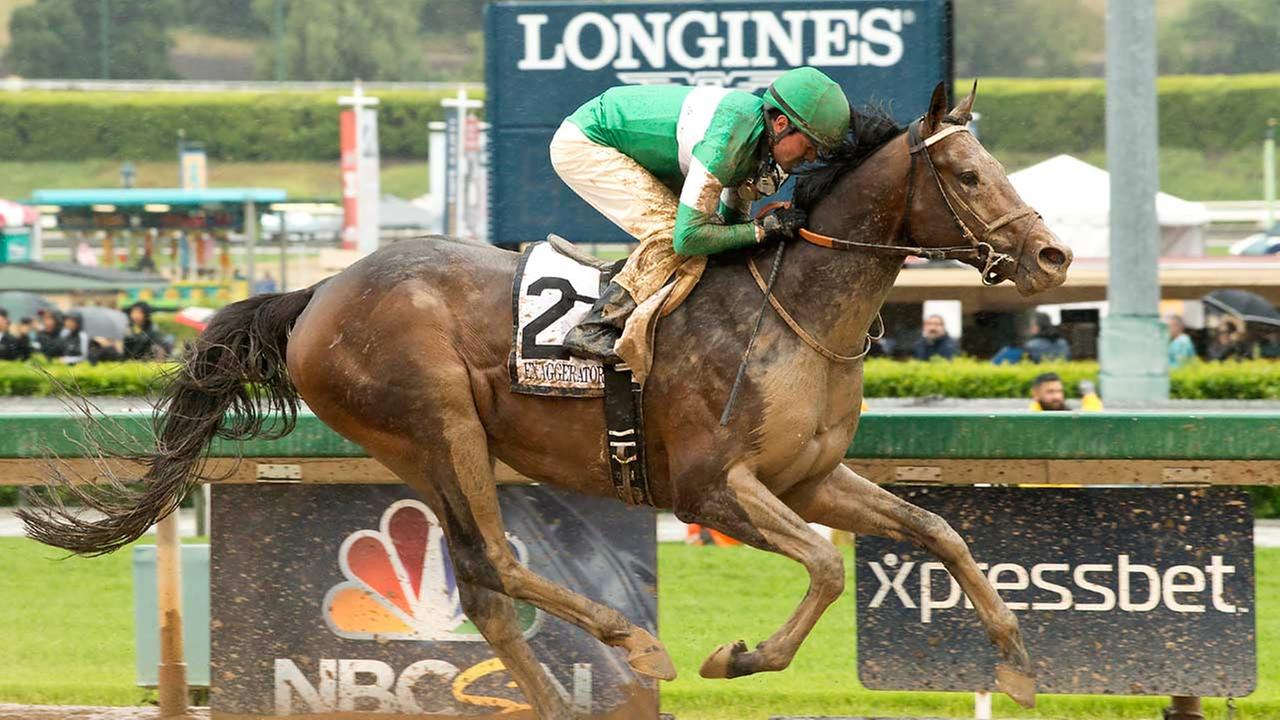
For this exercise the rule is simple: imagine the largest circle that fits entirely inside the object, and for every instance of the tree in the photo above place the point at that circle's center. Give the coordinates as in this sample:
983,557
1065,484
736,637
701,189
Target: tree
1223,36
345,40
452,16
226,17
1027,38
62,38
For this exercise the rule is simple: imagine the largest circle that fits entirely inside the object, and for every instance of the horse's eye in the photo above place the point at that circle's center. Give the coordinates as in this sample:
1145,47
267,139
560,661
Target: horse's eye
969,177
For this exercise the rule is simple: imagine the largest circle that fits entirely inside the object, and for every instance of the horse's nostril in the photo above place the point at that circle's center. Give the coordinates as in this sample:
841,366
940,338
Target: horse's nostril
1052,257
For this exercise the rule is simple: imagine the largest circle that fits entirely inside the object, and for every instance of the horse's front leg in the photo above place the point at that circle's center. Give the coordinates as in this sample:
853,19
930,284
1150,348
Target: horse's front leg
745,509
848,501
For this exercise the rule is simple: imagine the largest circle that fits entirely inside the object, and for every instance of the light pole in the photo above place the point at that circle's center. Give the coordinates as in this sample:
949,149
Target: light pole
1133,344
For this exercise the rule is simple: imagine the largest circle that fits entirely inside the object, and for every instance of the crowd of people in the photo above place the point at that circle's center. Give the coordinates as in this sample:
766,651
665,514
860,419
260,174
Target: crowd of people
1228,340
62,338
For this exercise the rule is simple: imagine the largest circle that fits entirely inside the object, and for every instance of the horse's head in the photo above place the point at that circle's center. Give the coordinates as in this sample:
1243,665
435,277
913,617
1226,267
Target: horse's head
960,198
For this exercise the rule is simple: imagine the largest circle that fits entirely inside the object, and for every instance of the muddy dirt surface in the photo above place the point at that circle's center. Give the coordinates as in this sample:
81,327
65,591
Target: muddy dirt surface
81,712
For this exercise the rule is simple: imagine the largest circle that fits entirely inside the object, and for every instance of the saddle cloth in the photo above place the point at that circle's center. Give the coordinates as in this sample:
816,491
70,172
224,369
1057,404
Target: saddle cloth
554,287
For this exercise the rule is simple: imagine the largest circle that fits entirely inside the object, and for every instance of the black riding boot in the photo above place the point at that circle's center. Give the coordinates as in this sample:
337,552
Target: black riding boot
593,338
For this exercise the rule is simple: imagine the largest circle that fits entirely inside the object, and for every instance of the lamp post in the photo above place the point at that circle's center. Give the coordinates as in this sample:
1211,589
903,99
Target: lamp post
1133,342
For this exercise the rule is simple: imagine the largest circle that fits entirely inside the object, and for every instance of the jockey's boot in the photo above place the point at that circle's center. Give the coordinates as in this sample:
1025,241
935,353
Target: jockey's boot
594,336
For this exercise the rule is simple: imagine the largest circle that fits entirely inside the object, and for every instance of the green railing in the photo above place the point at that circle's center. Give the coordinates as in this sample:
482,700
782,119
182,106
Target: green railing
898,434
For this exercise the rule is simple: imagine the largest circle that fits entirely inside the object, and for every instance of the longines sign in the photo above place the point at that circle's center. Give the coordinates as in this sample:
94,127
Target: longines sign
1119,591
546,59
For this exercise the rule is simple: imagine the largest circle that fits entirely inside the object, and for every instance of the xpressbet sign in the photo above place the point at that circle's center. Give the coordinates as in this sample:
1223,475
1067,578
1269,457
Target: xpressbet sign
546,59
1110,585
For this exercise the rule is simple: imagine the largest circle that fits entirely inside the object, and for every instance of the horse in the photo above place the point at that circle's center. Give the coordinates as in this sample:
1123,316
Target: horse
405,353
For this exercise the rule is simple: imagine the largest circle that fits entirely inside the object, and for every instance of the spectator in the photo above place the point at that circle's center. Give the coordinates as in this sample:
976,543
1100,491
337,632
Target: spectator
143,342
1046,342
48,340
1181,349
1008,355
265,284
1270,346
74,340
13,346
1047,393
934,341
1089,400
1229,342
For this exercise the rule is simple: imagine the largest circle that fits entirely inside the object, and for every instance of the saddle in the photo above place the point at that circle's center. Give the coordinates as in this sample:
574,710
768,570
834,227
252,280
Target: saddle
554,286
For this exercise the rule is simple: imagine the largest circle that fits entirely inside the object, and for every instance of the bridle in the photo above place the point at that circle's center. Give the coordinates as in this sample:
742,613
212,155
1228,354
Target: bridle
978,249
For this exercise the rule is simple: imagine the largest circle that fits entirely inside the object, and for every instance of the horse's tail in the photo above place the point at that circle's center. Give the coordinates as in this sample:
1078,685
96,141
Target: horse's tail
236,365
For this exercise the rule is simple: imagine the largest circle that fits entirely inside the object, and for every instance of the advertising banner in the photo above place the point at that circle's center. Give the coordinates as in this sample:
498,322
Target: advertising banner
333,599
544,60
1127,591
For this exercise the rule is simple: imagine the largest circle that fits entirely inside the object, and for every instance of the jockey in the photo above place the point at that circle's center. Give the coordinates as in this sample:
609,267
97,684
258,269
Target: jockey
677,167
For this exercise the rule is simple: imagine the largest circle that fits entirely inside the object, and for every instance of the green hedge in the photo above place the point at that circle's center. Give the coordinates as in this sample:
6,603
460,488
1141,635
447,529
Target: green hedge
1211,113
252,126
1202,112
968,378
962,378
129,379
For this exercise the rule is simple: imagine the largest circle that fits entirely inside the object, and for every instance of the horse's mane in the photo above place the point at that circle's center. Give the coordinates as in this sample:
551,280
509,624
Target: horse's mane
869,129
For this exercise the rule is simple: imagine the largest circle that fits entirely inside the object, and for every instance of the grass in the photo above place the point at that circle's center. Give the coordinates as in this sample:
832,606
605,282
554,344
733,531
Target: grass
302,180
69,640
68,637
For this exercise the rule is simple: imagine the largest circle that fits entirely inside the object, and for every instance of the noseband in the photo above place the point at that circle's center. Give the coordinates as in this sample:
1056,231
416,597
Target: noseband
979,250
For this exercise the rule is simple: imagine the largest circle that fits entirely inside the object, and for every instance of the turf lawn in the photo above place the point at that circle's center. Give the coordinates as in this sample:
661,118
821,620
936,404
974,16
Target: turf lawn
67,638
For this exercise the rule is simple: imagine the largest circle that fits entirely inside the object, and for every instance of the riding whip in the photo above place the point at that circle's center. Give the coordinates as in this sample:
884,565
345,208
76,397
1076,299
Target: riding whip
746,356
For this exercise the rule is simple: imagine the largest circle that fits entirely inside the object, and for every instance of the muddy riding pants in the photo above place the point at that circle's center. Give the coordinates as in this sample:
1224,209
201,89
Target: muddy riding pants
620,189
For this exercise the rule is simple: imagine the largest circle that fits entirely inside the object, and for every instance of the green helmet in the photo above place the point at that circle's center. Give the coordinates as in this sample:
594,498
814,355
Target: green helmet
814,104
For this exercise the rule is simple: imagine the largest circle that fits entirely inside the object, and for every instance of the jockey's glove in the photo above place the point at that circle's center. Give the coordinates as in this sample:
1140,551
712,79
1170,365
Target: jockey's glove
783,223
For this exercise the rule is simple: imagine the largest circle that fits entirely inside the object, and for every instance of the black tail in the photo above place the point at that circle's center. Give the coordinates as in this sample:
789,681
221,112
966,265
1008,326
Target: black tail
237,365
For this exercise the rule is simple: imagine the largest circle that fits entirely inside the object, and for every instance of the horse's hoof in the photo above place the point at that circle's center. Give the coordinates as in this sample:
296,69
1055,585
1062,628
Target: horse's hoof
719,665
647,656
1016,684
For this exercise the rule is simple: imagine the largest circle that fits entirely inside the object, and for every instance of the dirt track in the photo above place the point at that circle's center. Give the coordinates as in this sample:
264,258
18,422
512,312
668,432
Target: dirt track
78,712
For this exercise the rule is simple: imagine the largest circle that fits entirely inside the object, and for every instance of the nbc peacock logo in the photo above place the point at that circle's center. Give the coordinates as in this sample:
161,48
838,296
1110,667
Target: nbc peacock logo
400,583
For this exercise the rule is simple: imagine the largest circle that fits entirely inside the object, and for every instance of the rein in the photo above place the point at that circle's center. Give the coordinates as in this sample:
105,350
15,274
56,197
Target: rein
978,249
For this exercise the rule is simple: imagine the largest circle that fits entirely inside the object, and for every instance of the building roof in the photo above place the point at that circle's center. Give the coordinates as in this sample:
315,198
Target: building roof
68,277
137,197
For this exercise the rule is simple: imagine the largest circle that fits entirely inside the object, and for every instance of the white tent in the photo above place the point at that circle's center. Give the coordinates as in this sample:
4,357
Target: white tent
1075,199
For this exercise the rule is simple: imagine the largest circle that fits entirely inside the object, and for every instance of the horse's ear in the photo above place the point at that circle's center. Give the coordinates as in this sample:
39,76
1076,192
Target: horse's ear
964,111
937,110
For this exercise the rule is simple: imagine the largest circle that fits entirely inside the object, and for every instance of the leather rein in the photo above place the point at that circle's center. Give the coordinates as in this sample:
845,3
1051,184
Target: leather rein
978,250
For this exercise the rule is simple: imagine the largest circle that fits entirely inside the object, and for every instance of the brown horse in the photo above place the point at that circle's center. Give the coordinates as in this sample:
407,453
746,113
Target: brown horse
405,353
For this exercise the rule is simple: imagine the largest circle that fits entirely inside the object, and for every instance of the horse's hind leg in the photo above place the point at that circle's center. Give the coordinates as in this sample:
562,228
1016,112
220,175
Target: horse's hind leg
476,505
458,470
848,501
748,511
492,612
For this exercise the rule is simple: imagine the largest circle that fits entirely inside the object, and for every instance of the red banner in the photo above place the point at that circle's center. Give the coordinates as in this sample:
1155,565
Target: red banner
350,188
